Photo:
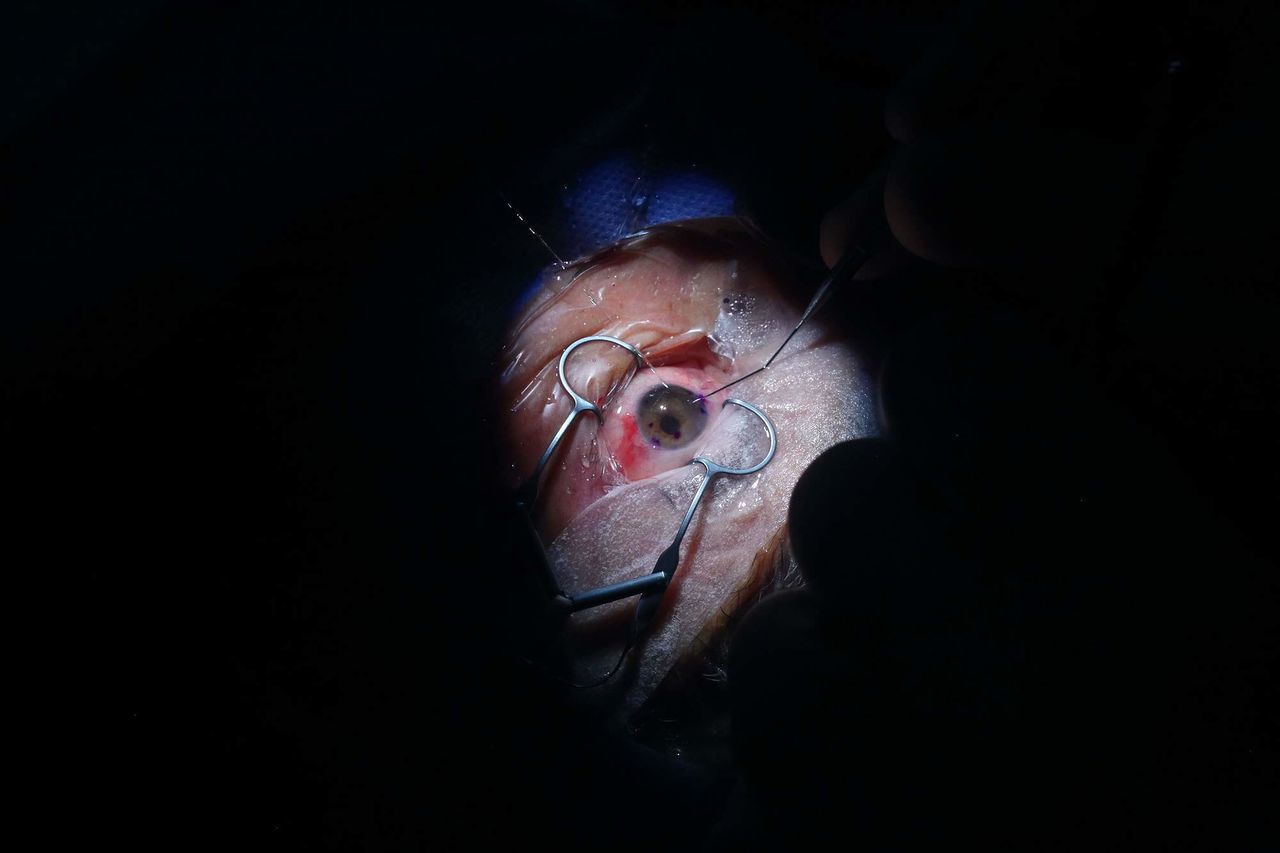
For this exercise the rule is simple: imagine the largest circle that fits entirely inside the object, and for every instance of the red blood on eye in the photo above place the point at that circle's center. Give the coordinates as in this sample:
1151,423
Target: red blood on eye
629,451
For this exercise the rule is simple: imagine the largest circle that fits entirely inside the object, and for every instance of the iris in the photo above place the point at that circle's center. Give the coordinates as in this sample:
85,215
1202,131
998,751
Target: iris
669,416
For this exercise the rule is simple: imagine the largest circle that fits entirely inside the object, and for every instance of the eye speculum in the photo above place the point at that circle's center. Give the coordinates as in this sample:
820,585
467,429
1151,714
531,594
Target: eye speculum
670,416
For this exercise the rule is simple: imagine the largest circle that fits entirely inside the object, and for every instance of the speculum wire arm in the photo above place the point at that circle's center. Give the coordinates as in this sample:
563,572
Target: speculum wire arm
527,494
653,585
669,561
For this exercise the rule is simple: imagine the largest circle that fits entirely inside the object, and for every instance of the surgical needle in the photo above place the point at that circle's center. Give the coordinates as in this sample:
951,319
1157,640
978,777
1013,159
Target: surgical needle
844,270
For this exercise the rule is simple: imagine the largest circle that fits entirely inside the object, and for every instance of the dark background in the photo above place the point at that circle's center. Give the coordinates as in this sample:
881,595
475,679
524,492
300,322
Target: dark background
256,264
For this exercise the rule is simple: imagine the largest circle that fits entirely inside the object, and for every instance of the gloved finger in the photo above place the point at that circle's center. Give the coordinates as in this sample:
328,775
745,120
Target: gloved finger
897,580
871,540
850,219
1012,198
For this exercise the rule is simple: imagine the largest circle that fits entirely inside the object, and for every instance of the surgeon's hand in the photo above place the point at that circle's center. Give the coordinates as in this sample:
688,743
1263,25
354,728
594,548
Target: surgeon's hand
1038,605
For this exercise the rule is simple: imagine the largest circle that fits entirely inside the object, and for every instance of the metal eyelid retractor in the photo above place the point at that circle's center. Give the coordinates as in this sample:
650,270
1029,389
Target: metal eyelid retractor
669,560
652,585
527,494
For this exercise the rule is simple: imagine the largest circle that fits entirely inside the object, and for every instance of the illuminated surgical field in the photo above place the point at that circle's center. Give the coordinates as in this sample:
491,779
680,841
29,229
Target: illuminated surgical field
704,302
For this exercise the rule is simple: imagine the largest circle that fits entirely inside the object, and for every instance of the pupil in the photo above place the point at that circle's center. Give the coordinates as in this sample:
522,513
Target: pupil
669,424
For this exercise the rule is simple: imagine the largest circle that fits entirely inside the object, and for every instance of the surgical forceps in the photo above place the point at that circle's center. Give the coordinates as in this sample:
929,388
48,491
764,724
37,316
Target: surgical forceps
651,587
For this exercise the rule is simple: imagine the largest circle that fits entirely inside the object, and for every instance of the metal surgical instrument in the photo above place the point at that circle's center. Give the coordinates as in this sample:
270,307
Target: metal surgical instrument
650,587
669,561
528,491
845,269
